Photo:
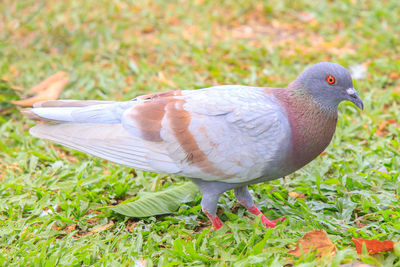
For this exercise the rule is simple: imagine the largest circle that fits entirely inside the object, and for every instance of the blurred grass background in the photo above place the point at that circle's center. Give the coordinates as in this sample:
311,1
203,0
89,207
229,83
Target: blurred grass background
51,198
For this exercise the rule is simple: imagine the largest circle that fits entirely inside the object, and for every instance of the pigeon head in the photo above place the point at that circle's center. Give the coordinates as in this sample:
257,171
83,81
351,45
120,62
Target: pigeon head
328,84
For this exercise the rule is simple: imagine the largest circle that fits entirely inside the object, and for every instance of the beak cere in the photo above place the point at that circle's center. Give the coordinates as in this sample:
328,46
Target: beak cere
353,97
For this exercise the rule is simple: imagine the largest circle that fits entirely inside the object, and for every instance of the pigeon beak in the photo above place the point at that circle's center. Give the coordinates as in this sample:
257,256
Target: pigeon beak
352,96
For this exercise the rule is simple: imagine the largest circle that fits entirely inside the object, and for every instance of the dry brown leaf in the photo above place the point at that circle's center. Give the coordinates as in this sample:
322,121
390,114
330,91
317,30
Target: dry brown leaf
394,76
92,220
314,240
70,228
50,93
381,131
373,246
131,226
382,128
17,88
102,228
55,227
28,235
48,89
305,16
47,82
161,78
360,224
61,153
90,211
297,195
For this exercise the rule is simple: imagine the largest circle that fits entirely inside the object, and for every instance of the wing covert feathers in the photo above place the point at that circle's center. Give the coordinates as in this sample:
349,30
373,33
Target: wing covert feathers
108,141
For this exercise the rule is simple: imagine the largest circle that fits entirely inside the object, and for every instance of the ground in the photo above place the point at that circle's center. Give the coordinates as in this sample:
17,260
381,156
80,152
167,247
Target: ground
54,201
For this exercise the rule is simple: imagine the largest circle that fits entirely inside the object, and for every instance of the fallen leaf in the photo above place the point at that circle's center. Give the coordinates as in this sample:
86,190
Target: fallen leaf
92,220
381,128
70,228
49,89
316,240
55,227
131,226
391,121
148,29
47,82
394,76
17,88
102,228
360,224
297,195
162,79
157,203
373,246
306,16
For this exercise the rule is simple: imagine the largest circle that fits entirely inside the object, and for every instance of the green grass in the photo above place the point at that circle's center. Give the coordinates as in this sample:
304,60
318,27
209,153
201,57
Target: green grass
51,198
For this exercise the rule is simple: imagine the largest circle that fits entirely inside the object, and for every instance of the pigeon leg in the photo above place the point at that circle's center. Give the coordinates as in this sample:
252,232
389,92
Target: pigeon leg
209,207
244,197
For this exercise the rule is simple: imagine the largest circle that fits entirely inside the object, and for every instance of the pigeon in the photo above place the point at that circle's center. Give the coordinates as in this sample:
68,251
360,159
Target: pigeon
222,137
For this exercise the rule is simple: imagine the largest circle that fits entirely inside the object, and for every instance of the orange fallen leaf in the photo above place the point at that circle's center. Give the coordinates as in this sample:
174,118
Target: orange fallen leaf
17,88
373,246
55,227
131,226
394,75
381,128
161,78
297,195
316,240
47,82
70,228
49,89
391,121
102,228
360,224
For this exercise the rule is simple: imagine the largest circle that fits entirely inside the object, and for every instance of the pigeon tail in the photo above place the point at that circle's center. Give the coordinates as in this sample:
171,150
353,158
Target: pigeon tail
61,111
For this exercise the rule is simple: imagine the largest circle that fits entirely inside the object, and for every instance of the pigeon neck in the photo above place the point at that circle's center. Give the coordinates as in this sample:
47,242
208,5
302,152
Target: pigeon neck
312,127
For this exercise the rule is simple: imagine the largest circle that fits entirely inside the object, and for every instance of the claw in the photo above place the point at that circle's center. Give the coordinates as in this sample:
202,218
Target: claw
281,219
265,221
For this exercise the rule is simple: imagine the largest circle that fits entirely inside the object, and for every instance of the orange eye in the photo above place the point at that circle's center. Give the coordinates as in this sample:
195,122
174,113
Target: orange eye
331,80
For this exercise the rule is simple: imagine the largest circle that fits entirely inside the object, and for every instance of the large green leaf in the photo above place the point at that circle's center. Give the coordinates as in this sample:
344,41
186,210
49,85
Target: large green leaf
162,202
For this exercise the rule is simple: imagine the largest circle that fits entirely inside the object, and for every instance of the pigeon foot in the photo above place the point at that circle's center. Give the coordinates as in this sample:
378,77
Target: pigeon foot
216,222
268,223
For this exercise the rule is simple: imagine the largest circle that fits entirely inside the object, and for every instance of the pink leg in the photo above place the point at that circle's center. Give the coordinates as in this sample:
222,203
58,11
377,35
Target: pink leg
216,222
266,222
244,197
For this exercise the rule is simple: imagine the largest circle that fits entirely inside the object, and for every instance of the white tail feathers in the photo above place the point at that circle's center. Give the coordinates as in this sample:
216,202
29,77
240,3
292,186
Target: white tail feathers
79,111
69,103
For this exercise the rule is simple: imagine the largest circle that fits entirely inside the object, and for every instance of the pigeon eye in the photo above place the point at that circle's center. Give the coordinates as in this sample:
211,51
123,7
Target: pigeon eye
331,80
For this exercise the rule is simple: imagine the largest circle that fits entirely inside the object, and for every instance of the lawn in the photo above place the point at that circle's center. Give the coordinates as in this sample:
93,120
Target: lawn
54,202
